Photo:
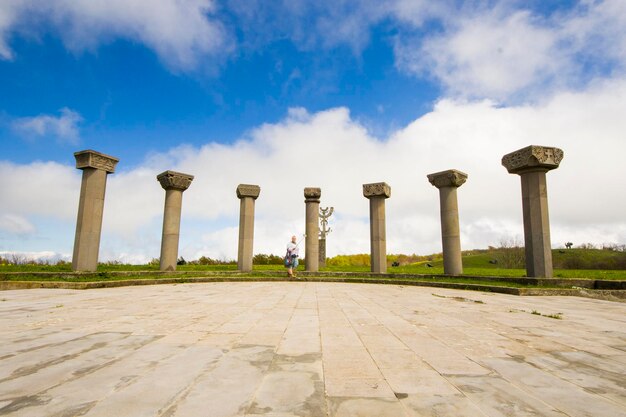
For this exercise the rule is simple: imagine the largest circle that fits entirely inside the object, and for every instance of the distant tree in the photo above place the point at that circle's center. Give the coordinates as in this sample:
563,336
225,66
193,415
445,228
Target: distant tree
274,260
510,254
569,245
587,246
260,259
19,259
181,261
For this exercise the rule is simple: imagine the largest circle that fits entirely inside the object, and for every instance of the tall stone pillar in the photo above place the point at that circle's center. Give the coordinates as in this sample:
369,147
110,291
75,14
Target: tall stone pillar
174,183
96,166
447,182
312,200
247,195
377,193
531,164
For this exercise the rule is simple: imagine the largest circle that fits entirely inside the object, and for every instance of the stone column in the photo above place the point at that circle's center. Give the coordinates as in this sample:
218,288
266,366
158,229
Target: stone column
247,195
174,183
377,193
312,200
96,166
447,182
322,252
531,164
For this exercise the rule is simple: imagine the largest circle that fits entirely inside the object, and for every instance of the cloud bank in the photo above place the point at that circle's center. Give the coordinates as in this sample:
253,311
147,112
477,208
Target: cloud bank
331,150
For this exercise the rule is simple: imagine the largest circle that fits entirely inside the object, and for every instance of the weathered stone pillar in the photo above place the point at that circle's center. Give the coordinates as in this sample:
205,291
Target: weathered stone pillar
322,252
531,164
312,200
447,182
377,193
247,195
174,183
95,166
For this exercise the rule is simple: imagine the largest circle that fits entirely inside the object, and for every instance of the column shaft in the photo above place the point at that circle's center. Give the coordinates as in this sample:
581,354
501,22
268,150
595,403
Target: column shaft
89,221
171,229
246,234
450,232
536,224
322,253
378,235
312,231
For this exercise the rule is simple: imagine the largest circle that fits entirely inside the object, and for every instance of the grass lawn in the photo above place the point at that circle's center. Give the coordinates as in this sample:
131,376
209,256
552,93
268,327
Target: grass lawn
475,264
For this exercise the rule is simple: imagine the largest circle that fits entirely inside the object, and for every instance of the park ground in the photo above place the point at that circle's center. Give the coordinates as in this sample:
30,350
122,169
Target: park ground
285,349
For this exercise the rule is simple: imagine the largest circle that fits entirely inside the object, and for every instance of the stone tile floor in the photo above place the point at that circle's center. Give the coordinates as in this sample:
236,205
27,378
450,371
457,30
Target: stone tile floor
308,349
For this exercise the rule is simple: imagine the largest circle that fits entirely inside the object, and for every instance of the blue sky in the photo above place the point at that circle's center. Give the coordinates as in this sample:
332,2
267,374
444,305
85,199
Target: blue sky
288,94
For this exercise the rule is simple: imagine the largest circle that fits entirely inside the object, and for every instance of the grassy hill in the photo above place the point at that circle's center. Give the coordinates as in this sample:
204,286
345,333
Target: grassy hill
561,259
570,263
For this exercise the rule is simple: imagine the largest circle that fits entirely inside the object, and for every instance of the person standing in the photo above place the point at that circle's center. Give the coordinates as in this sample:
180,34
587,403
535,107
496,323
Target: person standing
291,257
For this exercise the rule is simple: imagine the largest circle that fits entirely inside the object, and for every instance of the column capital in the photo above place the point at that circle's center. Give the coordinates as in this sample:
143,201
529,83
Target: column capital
312,194
377,189
92,159
532,158
174,180
449,178
248,190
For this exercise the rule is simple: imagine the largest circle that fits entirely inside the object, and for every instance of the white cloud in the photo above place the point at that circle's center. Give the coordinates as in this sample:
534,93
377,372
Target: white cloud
40,189
487,56
330,150
15,224
598,32
8,10
180,32
506,52
64,127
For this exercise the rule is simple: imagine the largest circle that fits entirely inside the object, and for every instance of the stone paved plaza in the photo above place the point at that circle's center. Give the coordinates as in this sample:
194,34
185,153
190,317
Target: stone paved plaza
308,349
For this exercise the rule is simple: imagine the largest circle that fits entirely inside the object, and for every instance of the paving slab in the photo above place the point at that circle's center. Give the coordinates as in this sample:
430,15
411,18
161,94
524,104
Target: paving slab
308,349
